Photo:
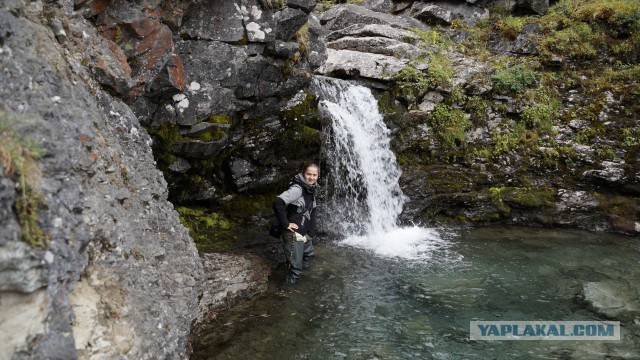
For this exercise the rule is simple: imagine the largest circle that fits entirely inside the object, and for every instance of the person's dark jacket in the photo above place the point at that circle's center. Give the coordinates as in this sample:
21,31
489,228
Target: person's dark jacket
297,205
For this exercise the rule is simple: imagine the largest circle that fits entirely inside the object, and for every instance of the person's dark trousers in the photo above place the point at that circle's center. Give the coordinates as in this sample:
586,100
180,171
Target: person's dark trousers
298,254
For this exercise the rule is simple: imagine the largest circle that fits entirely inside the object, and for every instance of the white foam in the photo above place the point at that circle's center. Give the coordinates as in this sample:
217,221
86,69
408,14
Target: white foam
407,243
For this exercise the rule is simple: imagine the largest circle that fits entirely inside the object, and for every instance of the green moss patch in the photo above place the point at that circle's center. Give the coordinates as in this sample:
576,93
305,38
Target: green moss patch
211,231
18,156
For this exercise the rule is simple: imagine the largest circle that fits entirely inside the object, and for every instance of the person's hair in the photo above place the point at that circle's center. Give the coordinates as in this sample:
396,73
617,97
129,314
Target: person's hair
309,164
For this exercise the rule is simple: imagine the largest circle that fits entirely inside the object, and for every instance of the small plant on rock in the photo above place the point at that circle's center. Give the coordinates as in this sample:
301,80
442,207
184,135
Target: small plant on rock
449,125
18,155
514,79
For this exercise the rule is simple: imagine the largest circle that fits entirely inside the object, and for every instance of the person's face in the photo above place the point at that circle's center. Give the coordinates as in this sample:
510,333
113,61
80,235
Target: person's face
311,174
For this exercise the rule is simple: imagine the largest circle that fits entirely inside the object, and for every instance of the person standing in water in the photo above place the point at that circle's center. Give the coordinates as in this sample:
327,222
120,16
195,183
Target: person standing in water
295,211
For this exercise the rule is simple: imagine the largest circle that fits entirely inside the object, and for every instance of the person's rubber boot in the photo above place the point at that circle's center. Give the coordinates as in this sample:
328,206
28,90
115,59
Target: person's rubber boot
292,278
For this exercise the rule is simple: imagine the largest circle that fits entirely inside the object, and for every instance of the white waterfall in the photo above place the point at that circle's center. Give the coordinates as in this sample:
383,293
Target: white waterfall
364,199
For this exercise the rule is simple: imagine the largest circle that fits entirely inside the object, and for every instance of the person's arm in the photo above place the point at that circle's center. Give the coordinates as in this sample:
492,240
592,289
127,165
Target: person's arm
281,214
281,202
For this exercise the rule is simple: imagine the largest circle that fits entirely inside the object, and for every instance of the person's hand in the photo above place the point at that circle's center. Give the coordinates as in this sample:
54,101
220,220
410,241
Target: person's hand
293,227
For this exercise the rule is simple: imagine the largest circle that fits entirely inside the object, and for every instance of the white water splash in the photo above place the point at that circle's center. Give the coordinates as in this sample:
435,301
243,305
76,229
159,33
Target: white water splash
409,243
364,199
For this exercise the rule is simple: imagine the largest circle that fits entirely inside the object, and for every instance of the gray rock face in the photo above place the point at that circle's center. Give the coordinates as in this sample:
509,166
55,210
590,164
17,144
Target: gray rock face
368,30
106,215
230,278
213,68
305,5
283,49
534,6
289,21
379,5
523,44
445,12
180,166
430,100
106,60
261,24
20,268
317,47
377,45
222,22
355,63
241,170
198,149
342,16
612,173
202,127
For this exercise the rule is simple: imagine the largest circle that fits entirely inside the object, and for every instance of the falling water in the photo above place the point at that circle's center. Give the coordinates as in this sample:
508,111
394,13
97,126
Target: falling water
364,199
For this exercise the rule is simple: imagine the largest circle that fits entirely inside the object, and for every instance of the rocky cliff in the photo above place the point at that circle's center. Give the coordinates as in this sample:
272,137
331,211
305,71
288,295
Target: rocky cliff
94,261
511,112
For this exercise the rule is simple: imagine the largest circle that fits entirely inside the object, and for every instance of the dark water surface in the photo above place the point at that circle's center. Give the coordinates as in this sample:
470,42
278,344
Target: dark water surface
355,305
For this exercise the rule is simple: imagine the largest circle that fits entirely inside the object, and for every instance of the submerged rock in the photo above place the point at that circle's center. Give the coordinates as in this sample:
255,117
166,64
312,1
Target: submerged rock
613,300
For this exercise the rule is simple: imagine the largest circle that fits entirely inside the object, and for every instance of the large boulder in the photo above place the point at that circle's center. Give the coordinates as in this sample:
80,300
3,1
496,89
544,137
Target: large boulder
373,30
377,45
445,12
342,16
305,5
361,64
289,22
317,48
261,25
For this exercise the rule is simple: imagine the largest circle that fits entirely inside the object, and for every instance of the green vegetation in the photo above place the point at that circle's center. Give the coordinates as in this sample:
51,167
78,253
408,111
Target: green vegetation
579,30
302,38
432,40
411,81
302,126
18,156
168,133
415,83
514,79
450,124
211,231
506,140
220,119
544,109
510,26
440,71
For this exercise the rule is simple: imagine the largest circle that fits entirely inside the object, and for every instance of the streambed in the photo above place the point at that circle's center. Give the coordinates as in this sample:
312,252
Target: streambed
355,304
